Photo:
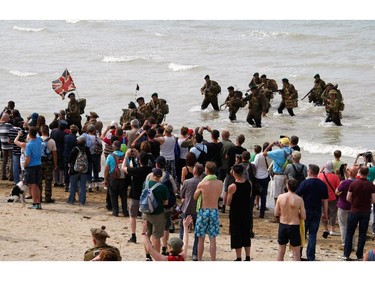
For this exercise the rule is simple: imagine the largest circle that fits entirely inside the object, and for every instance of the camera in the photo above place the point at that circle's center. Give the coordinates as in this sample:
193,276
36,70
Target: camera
112,127
367,155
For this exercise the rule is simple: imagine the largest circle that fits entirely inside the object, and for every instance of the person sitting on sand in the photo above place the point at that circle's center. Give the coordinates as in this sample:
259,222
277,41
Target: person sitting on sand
99,237
176,248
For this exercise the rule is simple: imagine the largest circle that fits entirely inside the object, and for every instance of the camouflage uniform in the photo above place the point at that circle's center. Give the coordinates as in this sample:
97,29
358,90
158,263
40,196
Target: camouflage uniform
93,252
289,98
258,104
325,95
210,90
145,109
234,105
315,96
333,108
130,114
46,173
159,109
73,114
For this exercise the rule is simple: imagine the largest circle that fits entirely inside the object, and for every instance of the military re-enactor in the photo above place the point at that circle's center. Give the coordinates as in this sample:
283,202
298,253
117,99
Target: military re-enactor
289,97
99,237
333,108
210,90
317,90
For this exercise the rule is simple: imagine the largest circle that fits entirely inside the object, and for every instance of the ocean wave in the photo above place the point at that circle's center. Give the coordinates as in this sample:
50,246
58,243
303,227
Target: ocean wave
27,29
22,74
267,34
73,21
181,67
320,148
121,59
159,34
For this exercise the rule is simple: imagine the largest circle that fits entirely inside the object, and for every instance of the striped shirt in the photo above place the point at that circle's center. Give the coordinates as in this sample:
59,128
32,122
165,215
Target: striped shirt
4,138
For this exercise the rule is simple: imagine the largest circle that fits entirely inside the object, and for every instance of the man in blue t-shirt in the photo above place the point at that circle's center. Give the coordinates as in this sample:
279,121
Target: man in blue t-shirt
315,195
33,165
279,157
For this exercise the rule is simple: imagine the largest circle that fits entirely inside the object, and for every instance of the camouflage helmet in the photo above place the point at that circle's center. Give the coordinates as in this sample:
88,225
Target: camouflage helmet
329,84
333,92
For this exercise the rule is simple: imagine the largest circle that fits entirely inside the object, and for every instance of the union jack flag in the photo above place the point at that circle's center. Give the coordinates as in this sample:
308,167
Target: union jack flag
64,84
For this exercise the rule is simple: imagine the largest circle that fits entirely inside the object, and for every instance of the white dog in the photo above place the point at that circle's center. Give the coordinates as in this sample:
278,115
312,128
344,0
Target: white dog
17,193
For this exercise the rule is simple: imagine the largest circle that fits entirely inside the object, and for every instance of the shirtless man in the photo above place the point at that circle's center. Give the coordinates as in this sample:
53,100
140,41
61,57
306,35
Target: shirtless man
291,209
209,189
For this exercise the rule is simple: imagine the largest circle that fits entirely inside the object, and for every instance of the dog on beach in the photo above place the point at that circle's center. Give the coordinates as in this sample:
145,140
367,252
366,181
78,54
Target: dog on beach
17,193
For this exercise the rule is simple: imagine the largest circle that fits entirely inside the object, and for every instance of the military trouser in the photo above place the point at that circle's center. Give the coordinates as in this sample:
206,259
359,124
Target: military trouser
334,117
254,118
282,107
46,175
210,99
232,113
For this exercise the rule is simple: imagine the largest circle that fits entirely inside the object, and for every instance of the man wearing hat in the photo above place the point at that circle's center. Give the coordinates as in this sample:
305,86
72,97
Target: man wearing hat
99,237
156,220
73,112
159,108
317,90
234,103
333,108
258,106
289,97
279,157
143,107
255,81
268,87
92,119
325,94
210,90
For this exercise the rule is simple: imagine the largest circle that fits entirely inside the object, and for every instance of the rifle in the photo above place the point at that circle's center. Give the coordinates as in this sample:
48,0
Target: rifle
308,93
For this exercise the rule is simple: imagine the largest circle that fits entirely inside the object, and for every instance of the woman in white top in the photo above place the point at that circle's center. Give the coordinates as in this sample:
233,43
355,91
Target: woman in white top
262,175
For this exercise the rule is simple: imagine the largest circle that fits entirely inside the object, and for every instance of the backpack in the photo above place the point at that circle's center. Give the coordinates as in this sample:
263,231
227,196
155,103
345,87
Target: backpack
147,201
164,108
98,148
46,153
342,106
298,174
117,172
82,105
215,88
287,161
81,164
202,156
172,197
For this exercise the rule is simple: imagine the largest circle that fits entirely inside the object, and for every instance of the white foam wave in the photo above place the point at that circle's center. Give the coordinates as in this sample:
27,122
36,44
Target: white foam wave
181,67
159,34
73,21
120,59
265,34
22,74
319,148
27,29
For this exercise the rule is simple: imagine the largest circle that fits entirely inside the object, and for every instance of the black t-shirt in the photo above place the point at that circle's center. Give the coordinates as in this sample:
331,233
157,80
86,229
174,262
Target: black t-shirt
233,151
214,152
138,175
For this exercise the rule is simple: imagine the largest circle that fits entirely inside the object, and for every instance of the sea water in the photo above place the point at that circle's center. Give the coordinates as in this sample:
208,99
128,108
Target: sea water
107,59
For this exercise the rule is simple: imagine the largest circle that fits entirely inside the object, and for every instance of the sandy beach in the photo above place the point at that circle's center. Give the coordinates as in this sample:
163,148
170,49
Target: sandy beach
61,232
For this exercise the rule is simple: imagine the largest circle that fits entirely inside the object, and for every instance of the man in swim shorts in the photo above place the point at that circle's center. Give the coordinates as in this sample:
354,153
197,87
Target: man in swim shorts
207,194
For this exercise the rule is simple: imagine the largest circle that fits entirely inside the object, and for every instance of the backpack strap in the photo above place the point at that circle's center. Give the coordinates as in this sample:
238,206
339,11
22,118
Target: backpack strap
155,185
328,182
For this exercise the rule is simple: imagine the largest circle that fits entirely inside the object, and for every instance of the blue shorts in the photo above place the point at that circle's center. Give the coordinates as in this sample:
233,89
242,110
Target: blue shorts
207,223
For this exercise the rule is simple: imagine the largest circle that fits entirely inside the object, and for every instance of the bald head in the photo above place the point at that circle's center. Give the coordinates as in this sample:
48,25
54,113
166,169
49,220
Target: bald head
225,134
5,117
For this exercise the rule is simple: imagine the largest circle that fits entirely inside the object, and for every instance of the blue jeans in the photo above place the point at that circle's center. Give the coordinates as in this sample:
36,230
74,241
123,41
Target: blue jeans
311,226
195,245
74,188
354,219
263,194
16,168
